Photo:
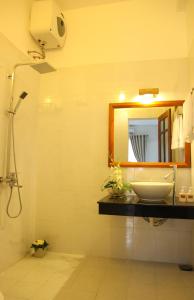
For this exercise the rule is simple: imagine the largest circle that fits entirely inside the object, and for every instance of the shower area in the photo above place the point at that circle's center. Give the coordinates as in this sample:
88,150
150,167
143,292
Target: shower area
21,276
18,234
11,174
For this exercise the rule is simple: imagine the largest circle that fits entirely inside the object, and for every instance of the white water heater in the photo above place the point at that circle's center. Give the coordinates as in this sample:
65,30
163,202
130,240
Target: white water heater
47,24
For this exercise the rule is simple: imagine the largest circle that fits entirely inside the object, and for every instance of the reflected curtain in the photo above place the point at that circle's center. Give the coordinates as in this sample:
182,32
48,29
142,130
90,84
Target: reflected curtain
139,143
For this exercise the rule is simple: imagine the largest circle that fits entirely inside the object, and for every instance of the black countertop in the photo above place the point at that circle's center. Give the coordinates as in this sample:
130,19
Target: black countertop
132,206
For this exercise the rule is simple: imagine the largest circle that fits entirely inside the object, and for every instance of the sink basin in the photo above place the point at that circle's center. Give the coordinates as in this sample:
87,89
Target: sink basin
149,191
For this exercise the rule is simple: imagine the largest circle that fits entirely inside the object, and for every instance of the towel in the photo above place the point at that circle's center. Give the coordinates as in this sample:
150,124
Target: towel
177,133
188,122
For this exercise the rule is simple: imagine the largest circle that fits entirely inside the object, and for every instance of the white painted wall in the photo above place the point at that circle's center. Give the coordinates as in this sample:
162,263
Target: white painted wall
116,32
16,234
123,31
14,23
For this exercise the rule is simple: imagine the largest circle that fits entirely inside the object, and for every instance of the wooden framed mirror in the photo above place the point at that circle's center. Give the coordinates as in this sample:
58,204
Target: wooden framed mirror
148,135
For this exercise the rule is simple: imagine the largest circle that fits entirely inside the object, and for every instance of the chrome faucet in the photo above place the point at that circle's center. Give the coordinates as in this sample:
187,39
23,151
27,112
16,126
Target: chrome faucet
174,173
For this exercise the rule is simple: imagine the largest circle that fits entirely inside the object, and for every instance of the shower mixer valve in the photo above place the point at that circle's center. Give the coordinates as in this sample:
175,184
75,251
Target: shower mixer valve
11,179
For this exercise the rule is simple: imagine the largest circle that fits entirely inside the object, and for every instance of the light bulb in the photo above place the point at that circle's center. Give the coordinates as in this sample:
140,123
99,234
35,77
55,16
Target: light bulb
122,96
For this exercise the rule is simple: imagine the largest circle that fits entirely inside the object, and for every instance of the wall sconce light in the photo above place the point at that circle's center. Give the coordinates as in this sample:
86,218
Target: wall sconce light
148,95
152,91
122,97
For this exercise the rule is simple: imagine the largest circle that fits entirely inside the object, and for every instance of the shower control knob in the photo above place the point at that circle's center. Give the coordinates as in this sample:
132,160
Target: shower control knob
18,186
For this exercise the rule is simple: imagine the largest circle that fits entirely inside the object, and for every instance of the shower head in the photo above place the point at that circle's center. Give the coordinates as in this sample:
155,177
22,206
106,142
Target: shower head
40,67
43,67
21,97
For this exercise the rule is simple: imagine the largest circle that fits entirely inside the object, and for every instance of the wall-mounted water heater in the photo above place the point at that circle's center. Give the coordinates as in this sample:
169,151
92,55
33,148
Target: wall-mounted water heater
47,24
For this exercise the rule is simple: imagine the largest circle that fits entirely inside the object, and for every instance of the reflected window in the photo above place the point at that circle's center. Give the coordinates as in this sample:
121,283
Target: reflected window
131,155
143,135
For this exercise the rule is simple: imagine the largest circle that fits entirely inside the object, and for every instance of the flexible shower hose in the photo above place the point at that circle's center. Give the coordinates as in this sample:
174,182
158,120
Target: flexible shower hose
16,175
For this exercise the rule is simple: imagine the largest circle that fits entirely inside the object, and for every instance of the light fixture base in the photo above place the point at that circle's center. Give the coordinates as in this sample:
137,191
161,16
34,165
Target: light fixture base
153,91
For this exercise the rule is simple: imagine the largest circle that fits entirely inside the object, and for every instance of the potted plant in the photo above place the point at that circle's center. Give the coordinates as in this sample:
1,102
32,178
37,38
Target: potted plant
39,247
115,185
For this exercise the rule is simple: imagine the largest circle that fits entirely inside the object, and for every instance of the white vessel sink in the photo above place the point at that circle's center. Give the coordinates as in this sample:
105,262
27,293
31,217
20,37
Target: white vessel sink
151,191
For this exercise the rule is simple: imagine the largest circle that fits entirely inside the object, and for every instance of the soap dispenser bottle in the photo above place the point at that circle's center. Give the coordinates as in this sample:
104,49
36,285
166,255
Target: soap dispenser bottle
182,194
190,197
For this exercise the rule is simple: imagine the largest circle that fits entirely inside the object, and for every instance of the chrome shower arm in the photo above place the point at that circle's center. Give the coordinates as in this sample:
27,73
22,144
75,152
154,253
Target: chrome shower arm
12,77
11,114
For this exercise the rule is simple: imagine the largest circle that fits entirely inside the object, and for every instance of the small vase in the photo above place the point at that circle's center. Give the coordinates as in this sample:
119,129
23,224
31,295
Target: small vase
40,252
117,194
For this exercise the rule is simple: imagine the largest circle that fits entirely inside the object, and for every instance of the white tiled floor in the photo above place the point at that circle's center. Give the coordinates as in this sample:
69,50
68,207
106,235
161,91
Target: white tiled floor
66,277
114,279
38,278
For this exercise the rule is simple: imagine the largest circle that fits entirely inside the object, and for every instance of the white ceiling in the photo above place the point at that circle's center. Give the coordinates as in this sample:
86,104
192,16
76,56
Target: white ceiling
73,4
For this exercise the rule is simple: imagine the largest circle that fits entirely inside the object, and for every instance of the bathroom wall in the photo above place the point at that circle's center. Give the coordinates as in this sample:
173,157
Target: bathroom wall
123,31
15,23
131,47
111,25
72,160
109,48
16,234
190,31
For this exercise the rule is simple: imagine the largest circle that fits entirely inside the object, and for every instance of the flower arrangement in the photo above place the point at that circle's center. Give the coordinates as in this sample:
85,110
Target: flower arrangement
39,244
115,184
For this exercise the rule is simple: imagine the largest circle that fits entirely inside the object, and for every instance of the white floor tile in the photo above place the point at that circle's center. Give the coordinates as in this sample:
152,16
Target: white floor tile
38,279
95,279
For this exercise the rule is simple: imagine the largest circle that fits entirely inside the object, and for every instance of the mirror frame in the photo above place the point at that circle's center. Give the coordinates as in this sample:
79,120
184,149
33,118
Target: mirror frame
111,162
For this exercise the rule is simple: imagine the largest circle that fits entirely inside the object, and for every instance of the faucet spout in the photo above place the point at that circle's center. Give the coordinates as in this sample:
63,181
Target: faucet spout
169,174
174,172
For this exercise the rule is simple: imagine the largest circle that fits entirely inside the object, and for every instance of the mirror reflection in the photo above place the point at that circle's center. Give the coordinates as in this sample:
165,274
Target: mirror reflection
150,134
